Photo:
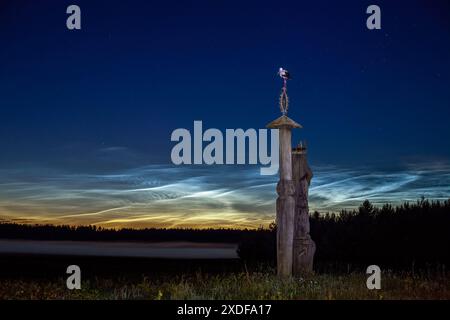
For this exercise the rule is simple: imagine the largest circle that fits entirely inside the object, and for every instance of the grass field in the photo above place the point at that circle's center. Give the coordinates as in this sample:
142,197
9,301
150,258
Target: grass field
255,285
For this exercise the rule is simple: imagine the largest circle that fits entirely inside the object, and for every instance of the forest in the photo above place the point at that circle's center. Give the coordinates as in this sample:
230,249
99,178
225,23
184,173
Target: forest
408,236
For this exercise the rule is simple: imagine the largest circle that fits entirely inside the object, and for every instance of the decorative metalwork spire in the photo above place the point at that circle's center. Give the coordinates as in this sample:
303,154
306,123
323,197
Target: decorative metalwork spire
284,99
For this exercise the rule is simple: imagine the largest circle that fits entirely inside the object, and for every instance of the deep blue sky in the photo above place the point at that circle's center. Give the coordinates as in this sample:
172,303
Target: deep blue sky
139,69
107,97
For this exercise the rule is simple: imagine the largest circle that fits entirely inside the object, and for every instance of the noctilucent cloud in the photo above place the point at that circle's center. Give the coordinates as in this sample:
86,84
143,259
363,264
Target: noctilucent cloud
200,196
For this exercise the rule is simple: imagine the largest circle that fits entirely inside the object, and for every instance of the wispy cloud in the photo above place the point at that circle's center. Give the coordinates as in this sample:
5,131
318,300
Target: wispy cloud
199,196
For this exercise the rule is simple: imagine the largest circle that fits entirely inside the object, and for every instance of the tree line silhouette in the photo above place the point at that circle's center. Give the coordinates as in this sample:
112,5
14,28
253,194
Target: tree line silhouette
94,233
401,236
408,235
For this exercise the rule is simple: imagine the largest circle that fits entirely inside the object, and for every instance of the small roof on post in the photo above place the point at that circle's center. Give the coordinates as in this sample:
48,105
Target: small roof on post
300,148
283,122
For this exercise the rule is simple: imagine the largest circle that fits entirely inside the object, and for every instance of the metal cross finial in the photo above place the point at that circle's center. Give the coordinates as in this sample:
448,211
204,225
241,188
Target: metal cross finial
284,100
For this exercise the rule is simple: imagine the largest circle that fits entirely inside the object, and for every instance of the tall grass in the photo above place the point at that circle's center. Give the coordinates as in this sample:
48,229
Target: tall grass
257,285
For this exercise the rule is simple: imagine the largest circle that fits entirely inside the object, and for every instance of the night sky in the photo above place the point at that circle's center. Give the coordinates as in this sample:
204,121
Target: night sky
86,115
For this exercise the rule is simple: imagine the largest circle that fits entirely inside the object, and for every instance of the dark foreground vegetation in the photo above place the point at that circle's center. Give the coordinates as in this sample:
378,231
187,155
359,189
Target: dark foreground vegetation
44,277
231,286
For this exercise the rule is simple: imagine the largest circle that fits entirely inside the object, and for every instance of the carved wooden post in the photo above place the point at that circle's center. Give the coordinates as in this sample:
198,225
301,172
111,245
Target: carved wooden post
304,246
285,200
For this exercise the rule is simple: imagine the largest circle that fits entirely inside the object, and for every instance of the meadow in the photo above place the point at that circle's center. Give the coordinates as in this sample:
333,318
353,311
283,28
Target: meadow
228,286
